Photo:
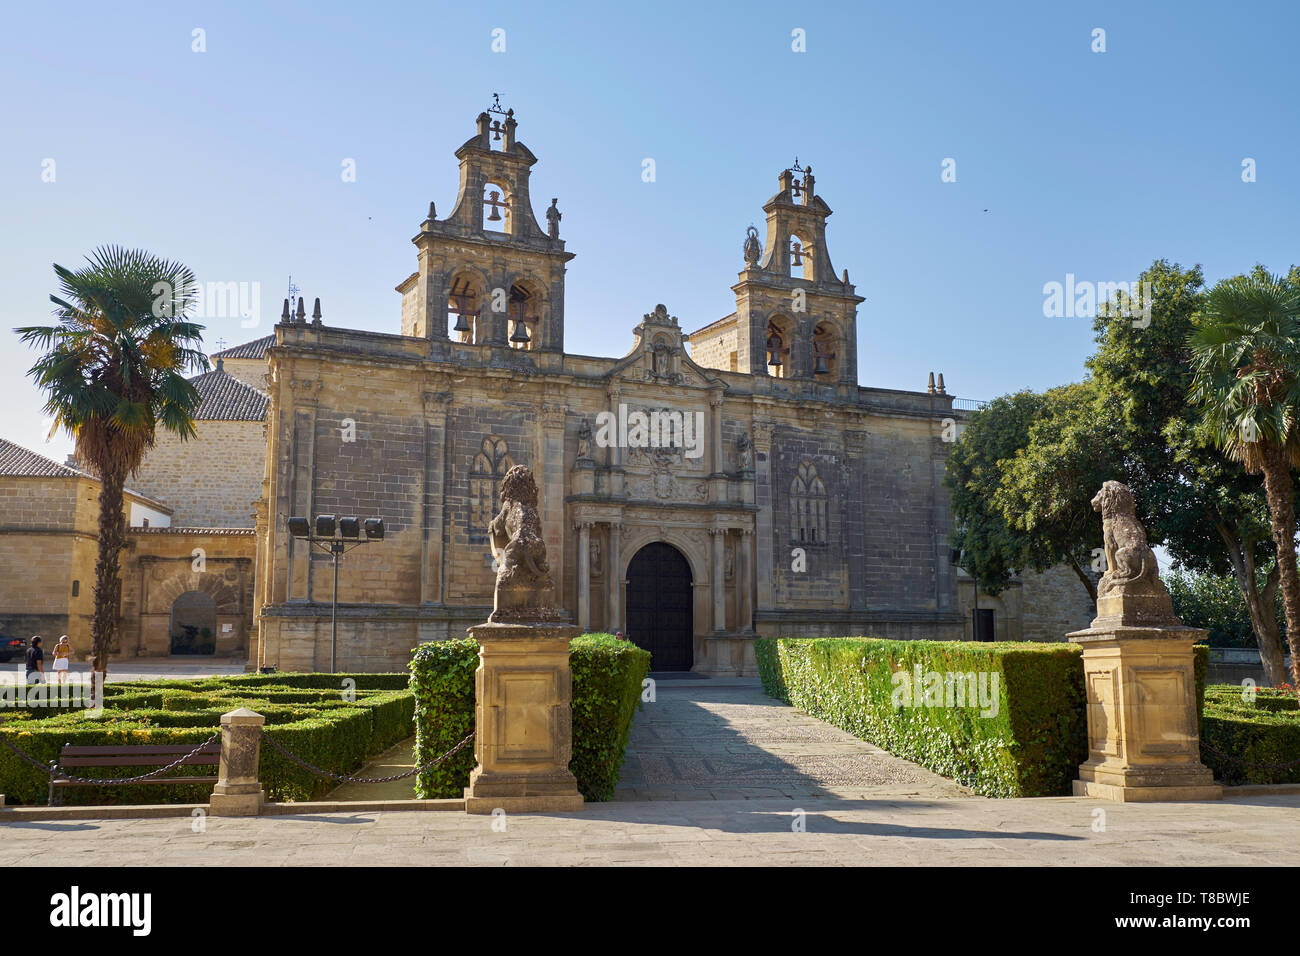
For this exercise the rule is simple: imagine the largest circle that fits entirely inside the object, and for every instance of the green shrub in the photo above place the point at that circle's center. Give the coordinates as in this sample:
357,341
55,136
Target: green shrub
607,675
306,713
1251,738
442,680
1031,746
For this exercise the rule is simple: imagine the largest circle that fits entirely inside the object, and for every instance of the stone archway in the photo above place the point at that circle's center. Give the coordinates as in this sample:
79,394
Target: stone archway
660,612
193,627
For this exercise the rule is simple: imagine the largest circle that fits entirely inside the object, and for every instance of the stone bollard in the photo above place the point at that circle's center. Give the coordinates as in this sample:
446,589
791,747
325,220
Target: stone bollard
238,793
1139,675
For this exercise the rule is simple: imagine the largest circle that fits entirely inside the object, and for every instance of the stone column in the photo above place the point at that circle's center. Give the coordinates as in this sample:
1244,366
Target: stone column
584,575
764,555
719,581
614,574
745,598
238,793
715,431
523,730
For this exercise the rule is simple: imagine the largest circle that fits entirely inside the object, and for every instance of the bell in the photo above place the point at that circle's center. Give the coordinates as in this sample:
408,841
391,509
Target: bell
495,214
819,367
774,358
462,323
520,334
797,256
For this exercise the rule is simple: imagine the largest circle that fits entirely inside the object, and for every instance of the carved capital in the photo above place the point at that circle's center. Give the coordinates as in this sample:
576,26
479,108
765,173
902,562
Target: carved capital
553,416
763,435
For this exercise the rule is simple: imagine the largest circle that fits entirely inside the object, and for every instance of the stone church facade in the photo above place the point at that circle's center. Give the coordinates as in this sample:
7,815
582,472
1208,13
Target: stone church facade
810,506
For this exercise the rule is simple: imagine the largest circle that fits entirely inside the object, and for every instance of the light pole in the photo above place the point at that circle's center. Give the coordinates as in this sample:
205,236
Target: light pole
956,556
336,536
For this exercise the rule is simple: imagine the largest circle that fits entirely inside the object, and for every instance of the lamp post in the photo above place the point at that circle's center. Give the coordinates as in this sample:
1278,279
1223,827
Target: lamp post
956,556
336,536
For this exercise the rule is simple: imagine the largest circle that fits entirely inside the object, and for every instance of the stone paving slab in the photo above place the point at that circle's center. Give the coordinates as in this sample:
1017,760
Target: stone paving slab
726,740
948,831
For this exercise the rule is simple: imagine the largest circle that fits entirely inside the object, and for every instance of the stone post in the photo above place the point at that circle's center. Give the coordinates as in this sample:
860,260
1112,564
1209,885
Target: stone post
523,723
1143,734
523,720
238,793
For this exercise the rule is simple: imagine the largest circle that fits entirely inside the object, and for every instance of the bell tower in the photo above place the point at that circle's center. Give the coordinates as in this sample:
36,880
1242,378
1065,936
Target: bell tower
489,274
795,318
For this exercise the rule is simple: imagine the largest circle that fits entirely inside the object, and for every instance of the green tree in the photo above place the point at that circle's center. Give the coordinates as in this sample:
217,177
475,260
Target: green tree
113,372
1246,349
1213,601
991,549
1207,511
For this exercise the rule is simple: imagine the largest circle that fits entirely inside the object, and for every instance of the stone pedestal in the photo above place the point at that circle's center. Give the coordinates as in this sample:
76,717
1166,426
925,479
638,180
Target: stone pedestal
238,793
523,729
1143,738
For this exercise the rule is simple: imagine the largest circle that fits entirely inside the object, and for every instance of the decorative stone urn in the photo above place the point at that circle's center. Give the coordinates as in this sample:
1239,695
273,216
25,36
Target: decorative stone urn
523,725
1143,734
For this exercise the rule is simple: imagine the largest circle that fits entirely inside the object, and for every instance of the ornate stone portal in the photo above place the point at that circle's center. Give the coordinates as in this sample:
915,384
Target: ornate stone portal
523,687
1143,734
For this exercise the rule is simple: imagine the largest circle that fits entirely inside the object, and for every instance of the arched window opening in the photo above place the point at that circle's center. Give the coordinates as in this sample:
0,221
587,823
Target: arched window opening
826,365
525,313
801,258
496,208
808,506
464,310
778,348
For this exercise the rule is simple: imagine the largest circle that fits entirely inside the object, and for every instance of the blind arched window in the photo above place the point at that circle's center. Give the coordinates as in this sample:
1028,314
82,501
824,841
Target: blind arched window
807,506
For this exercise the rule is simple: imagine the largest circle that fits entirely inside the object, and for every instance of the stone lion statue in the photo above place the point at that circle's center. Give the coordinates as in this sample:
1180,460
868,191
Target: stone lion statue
523,586
1130,562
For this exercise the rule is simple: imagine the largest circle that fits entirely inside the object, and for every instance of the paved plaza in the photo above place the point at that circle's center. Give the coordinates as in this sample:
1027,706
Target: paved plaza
717,774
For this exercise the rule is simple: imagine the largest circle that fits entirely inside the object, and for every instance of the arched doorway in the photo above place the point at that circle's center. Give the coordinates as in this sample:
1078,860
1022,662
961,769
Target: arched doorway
194,624
659,613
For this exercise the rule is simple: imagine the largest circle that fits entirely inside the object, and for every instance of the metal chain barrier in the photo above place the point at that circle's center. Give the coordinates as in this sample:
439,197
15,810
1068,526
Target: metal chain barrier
54,770
343,778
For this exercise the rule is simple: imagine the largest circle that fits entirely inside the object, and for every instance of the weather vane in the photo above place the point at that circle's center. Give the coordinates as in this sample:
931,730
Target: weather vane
497,127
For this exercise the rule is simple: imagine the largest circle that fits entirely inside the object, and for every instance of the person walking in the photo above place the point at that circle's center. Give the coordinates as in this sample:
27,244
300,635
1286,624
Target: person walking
35,662
62,657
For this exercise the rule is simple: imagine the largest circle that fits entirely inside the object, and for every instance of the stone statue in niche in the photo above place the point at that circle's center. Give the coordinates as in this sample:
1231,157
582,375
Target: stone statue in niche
523,587
584,441
745,452
595,558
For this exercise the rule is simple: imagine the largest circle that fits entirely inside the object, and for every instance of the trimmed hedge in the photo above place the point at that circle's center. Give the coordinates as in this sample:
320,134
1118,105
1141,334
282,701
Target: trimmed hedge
1031,747
607,676
1251,741
306,713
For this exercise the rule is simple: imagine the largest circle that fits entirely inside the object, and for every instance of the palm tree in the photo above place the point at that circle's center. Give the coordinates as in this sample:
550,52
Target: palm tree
1246,352
113,373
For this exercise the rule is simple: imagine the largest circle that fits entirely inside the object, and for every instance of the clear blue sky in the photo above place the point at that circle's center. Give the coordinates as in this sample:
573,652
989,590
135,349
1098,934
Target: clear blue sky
1087,163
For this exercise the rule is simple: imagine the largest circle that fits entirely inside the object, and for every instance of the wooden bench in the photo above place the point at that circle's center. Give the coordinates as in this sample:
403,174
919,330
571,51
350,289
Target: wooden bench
126,755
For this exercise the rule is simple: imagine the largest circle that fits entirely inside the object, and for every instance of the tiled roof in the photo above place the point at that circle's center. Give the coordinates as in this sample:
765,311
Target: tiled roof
17,462
255,349
227,399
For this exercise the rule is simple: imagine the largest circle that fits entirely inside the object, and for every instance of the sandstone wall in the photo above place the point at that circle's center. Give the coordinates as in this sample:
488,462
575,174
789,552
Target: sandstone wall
210,481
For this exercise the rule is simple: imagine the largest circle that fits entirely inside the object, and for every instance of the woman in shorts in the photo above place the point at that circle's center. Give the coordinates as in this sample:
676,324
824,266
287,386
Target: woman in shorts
62,655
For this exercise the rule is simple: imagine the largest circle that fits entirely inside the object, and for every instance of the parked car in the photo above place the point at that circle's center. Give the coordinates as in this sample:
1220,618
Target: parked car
11,647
